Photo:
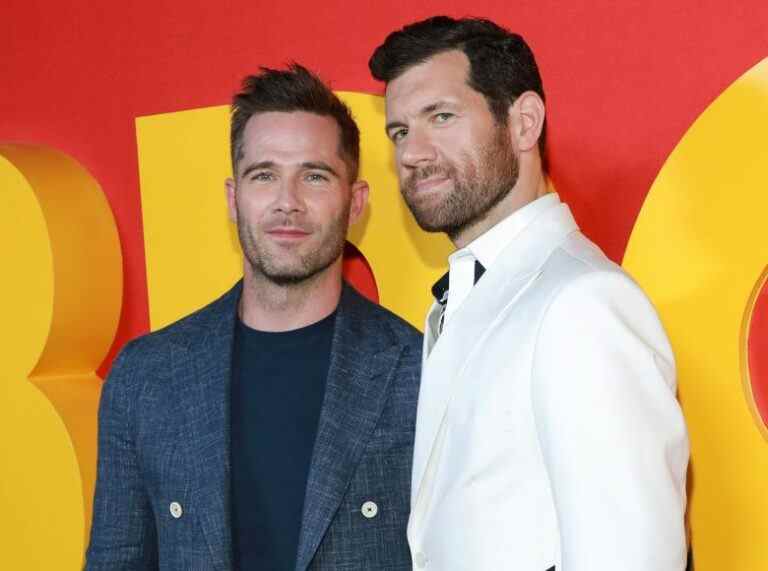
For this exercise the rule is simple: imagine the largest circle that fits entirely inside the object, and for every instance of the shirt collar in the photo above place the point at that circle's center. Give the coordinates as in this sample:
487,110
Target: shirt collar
487,247
440,287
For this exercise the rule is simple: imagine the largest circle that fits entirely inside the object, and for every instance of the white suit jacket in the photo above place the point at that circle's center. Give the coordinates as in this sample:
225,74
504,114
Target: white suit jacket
548,433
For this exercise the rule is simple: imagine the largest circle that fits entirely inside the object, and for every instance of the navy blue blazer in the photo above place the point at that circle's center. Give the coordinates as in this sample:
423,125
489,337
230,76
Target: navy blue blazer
162,492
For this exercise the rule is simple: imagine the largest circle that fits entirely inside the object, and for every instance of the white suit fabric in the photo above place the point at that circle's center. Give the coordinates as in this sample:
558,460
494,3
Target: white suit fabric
548,433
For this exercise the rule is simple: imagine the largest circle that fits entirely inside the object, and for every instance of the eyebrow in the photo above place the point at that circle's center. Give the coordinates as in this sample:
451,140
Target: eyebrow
314,165
426,110
320,166
257,166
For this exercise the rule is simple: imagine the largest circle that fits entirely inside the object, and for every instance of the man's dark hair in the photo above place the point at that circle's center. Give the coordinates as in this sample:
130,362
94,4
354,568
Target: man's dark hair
294,89
501,65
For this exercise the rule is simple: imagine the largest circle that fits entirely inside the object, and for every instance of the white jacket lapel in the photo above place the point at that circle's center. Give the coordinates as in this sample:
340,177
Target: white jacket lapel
445,358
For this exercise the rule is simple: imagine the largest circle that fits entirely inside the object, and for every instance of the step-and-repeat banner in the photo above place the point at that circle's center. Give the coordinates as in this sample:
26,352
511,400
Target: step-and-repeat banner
113,220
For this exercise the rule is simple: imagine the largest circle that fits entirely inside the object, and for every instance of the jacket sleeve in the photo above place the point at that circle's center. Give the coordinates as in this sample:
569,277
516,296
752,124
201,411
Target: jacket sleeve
611,431
123,535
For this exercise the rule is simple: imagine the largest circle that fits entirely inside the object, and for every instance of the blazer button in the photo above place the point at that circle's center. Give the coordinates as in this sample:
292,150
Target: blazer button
369,509
421,560
176,510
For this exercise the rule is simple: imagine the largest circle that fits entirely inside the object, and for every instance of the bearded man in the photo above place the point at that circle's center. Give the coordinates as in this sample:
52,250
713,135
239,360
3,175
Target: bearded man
272,429
548,434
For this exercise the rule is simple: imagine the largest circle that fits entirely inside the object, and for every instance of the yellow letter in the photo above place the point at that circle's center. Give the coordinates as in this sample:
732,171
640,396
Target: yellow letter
700,249
60,300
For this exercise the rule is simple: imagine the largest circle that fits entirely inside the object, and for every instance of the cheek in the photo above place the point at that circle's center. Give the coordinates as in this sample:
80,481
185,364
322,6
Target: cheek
254,198
251,208
400,168
338,197
338,208
450,145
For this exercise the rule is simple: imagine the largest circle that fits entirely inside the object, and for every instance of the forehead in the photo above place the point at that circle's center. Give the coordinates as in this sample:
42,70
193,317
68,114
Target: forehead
442,77
291,137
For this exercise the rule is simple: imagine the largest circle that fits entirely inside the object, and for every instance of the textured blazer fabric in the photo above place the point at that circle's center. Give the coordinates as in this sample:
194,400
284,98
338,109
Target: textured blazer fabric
162,493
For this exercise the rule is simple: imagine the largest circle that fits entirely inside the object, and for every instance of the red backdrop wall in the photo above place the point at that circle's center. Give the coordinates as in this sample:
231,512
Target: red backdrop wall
624,81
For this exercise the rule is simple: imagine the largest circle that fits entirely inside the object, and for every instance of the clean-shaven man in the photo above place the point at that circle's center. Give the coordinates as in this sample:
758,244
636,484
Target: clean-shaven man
272,429
548,435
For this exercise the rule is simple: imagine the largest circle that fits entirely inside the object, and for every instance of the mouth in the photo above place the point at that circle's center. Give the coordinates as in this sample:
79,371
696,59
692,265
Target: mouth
287,233
430,183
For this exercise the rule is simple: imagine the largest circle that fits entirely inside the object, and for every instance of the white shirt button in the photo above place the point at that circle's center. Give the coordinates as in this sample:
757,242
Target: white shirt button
369,509
176,510
421,560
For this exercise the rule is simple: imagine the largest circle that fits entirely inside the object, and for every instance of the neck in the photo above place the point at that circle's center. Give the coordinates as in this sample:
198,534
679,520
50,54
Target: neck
529,187
268,306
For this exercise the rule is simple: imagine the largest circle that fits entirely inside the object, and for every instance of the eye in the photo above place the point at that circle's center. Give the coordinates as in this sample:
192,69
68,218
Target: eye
261,176
316,178
442,117
397,135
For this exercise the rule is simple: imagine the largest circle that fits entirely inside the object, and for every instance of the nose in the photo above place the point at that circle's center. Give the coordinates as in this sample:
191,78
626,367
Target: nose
416,150
288,198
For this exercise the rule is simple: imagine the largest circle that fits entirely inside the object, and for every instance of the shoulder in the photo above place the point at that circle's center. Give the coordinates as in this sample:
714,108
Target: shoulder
580,272
596,306
376,319
577,270
151,349
576,257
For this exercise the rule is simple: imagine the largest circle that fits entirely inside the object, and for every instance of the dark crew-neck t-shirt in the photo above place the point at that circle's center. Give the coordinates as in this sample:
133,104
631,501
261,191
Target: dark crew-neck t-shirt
278,384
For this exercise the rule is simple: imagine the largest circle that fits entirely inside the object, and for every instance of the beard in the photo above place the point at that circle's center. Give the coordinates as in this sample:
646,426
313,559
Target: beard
298,264
480,182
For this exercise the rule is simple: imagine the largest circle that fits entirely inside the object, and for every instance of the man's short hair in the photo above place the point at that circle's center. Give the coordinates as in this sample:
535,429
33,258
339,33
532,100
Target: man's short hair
294,89
501,65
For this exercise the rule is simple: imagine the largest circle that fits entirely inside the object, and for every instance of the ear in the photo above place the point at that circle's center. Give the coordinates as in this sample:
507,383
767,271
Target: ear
358,200
527,120
231,187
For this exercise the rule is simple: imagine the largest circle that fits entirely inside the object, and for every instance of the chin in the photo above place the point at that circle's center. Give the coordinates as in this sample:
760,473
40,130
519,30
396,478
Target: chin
288,279
287,276
430,223
293,275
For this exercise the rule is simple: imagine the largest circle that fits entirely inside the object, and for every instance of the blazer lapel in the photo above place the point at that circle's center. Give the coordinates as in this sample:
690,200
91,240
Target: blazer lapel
444,367
363,359
201,373
503,284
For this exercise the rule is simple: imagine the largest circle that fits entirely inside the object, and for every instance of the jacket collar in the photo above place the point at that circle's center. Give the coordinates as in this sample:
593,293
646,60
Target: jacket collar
488,246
